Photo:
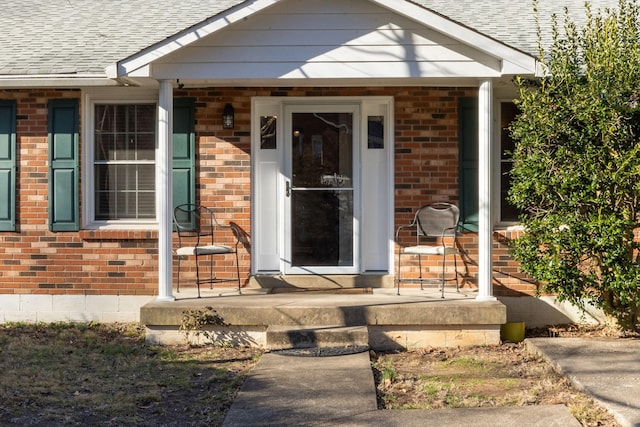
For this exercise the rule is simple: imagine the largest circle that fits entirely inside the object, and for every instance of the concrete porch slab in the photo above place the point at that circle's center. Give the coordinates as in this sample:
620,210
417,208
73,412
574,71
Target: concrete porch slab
414,319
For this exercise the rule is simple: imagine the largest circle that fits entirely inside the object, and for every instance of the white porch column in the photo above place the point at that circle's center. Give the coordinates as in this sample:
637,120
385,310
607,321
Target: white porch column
164,186
485,223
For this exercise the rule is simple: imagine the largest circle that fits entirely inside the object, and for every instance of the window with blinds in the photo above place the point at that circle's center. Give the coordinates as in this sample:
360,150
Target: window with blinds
124,161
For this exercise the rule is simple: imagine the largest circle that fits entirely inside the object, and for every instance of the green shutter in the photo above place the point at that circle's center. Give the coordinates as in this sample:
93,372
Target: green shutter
184,158
468,145
7,165
63,165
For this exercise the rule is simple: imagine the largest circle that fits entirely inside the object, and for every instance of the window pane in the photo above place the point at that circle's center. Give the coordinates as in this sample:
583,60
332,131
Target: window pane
103,146
322,223
103,206
124,148
145,119
146,147
125,177
375,131
121,118
508,212
322,149
101,177
508,113
268,132
104,118
147,205
147,177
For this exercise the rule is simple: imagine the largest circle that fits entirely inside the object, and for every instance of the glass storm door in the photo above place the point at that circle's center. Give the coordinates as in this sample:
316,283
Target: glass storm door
320,190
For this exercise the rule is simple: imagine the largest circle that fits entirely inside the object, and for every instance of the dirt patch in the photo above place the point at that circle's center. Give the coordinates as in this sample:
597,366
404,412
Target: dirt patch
488,376
94,374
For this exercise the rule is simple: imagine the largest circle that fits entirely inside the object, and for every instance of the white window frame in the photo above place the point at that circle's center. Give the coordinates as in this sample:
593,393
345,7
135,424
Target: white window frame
90,99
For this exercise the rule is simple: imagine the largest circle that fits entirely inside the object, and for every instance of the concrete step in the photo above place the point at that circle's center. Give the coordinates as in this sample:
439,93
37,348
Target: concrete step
280,337
303,281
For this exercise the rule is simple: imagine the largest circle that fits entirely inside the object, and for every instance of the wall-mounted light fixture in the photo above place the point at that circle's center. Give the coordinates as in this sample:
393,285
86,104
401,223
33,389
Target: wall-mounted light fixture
227,117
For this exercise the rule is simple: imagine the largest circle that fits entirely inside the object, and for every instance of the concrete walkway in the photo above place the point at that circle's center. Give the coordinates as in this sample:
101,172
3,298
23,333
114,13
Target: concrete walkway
606,369
285,390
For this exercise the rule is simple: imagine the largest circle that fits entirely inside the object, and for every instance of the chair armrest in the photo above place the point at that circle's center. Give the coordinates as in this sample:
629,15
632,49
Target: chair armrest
454,228
237,232
455,234
235,229
400,228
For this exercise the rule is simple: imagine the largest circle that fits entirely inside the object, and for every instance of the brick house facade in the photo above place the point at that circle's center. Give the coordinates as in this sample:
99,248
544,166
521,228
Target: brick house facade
437,76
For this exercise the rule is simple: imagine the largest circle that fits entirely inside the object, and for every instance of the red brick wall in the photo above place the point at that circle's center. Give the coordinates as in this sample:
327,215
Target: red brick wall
34,260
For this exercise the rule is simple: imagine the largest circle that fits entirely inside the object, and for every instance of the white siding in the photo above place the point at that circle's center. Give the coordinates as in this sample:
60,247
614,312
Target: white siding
302,39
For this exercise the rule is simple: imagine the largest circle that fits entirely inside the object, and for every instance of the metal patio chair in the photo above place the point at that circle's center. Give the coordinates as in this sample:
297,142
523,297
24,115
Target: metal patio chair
200,235
436,232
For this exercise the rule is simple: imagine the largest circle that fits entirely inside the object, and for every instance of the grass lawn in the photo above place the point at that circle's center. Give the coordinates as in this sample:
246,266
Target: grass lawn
97,374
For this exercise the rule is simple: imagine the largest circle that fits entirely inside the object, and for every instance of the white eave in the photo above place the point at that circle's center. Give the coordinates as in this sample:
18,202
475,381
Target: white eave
55,81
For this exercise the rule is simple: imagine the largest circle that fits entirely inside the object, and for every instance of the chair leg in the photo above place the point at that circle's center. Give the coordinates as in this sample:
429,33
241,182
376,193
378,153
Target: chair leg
420,272
179,262
238,273
198,275
444,264
455,265
211,275
398,276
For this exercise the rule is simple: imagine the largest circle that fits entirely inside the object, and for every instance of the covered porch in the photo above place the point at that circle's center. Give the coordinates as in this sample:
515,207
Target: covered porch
381,179
363,61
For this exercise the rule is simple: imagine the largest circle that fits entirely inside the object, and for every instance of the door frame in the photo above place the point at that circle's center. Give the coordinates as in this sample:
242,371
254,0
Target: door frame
373,169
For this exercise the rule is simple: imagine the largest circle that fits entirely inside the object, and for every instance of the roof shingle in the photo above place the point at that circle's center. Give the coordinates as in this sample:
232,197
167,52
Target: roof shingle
84,36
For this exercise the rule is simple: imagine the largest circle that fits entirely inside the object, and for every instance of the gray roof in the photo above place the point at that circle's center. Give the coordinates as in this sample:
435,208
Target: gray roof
85,36
513,21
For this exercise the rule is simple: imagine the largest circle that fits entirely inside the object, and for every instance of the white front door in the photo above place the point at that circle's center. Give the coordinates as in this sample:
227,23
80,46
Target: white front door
321,189
322,192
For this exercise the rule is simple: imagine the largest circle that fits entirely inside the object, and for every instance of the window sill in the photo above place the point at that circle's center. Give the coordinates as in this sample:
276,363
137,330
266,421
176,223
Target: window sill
115,234
508,226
